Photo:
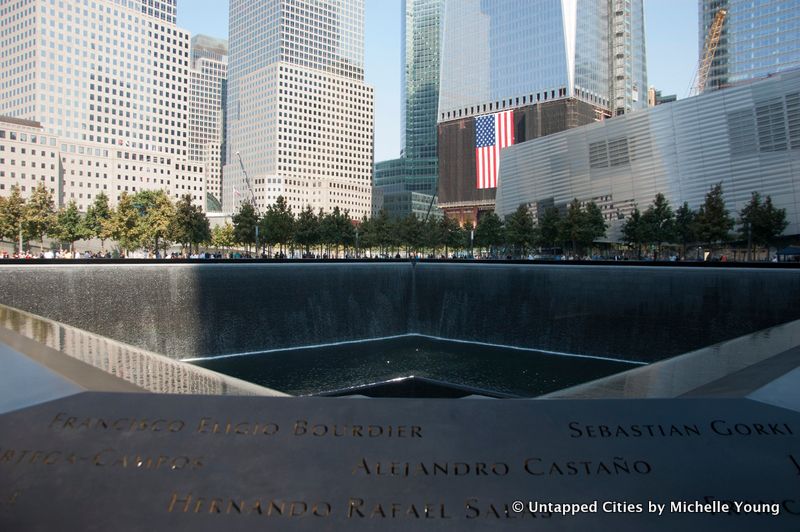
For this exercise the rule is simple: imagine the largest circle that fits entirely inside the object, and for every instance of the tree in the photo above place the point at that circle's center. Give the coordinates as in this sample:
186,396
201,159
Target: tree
222,236
381,229
712,222
489,233
345,229
659,222
582,226
327,230
97,215
244,224
12,217
69,225
307,229
684,227
634,231
520,231
433,234
761,223
594,225
468,236
123,225
189,224
277,225
451,232
549,225
366,234
157,216
40,216
409,231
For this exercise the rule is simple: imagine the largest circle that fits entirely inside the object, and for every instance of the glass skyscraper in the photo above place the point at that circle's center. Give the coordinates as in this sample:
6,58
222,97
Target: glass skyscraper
408,184
556,64
759,37
509,53
299,117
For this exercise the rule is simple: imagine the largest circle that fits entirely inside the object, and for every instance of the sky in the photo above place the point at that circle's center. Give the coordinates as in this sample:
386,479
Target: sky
670,30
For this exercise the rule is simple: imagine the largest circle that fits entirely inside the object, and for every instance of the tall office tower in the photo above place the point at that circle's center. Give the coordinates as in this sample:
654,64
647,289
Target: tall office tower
408,184
564,64
209,62
108,80
758,39
300,118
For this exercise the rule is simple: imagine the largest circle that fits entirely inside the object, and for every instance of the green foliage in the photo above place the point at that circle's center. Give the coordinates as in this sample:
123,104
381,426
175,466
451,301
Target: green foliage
582,226
12,216
277,225
123,225
69,225
659,222
490,232
433,234
713,222
97,215
157,215
761,223
222,236
307,229
549,227
520,231
40,216
452,238
382,231
189,224
634,231
409,232
685,226
244,224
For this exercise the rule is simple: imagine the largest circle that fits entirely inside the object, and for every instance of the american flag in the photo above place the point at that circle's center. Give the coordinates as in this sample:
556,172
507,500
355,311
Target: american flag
492,133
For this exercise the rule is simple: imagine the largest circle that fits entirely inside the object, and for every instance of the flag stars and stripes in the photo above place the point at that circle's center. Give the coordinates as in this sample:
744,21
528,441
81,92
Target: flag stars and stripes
492,133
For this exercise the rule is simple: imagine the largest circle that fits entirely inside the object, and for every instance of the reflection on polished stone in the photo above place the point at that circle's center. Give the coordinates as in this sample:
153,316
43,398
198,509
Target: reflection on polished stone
680,375
153,372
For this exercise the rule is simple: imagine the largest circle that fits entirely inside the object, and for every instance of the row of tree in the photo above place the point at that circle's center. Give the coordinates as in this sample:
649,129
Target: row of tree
148,219
760,223
330,233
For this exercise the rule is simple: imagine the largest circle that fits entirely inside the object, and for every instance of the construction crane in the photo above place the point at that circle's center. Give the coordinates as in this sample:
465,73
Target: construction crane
247,182
710,48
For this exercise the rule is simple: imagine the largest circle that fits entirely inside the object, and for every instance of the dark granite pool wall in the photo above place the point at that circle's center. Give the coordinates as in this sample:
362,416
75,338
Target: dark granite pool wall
183,310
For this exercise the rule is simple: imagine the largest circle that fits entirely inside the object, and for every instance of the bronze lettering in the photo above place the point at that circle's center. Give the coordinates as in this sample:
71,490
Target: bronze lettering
354,507
214,508
175,500
472,510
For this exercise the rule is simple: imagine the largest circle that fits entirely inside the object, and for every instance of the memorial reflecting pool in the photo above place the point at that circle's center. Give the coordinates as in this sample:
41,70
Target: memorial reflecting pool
501,371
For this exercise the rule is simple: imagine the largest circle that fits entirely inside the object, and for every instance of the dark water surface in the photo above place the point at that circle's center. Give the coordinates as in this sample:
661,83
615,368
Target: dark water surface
517,372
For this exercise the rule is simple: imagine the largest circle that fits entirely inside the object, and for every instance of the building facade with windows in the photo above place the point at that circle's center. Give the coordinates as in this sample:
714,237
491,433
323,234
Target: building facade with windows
574,61
746,137
208,75
299,116
27,157
109,79
758,38
407,180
